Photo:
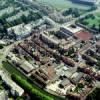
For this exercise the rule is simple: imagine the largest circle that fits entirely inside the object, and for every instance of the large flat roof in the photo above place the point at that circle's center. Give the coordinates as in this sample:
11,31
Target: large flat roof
26,66
74,29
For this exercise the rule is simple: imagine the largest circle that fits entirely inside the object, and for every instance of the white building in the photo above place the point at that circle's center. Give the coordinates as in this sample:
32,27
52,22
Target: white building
3,95
11,83
21,30
70,30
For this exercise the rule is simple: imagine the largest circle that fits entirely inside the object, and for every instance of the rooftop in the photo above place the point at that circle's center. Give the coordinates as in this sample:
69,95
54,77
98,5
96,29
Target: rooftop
13,85
21,29
26,66
73,28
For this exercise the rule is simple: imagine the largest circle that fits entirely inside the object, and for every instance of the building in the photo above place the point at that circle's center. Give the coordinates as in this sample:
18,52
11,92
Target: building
64,83
11,83
45,38
68,61
76,77
45,75
40,77
17,16
26,67
7,10
3,95
97,37
70,30
50,72
20,30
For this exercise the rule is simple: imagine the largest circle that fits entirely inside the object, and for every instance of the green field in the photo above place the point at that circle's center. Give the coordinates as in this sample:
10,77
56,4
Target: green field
93,22
97,14
63,4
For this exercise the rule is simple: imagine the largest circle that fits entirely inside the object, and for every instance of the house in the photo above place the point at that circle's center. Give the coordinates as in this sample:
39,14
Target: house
76,77
64,83
47,39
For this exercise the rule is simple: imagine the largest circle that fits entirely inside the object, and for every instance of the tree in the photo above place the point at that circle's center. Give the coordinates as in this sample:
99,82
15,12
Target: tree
95,95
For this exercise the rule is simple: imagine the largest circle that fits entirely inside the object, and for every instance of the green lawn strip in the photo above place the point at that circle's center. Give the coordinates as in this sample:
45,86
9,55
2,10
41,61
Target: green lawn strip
12,70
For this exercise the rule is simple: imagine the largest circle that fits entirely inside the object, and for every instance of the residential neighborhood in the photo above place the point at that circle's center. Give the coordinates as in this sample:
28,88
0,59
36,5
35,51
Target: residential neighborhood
49,50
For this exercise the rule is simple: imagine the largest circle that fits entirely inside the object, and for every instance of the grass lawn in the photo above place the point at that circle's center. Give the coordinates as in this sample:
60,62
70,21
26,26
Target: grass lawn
97,14
63,4
95,21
